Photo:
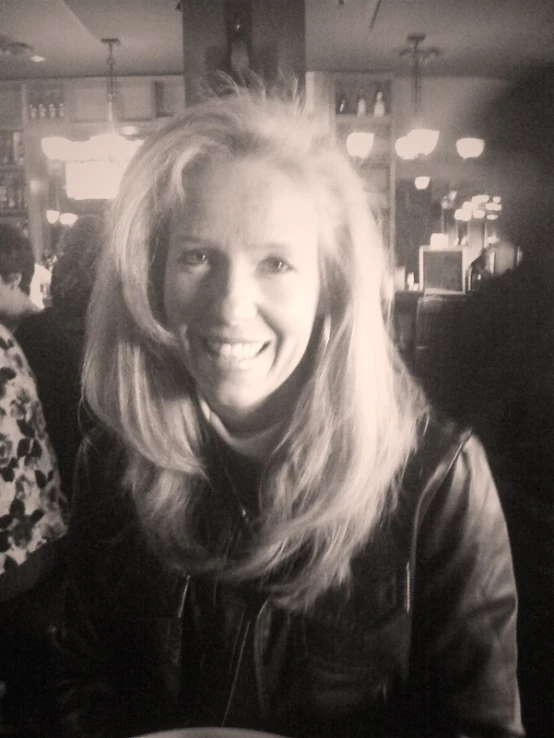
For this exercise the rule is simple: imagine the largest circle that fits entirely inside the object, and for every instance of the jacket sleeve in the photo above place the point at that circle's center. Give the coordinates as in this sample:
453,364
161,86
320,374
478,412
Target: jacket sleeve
465,604
100,679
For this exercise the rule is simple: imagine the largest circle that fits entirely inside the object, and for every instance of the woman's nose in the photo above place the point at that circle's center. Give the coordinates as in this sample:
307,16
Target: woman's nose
236,301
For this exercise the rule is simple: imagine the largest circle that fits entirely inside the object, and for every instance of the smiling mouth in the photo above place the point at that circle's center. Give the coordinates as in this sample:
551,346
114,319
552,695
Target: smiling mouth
233,352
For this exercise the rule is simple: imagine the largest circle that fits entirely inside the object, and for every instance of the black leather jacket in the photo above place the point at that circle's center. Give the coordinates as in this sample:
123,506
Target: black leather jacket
423,643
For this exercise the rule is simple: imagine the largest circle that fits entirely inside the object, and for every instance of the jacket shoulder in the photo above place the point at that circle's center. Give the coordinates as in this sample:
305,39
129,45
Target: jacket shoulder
439,444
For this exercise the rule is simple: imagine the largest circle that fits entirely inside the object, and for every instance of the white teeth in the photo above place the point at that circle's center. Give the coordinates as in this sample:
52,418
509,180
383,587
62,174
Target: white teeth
234,350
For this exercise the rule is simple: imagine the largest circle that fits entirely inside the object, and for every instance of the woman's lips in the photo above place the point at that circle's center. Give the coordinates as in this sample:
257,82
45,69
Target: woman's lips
233,354
235,350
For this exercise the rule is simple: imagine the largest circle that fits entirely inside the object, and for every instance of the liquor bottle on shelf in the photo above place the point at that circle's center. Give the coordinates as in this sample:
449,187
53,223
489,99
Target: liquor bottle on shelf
12,193
33,106
239,40
3,193
42,110
61,107
379,108
51,105
342,103
6,149
18,148
361,103
21,195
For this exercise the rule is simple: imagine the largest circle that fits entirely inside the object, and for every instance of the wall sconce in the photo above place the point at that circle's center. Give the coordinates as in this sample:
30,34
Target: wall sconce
470,148
360,143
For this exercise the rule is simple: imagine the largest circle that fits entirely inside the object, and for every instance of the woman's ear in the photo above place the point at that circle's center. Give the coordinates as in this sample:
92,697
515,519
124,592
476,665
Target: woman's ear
13,280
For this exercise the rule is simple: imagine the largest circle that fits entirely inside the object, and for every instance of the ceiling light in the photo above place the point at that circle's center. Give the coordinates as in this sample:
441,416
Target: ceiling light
37,59
438,240
56,148
462,214
359,143
404,149
422,182
420,141
470,148
68,219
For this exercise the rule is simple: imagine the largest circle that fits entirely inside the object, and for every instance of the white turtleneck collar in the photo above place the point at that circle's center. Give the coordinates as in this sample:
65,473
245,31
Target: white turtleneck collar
256,445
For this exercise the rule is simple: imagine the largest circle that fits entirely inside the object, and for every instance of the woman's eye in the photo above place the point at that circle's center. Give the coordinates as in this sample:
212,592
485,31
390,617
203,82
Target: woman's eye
194,258
277,265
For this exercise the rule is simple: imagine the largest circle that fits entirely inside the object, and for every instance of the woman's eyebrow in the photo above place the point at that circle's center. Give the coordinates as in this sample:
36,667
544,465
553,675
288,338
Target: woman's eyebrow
190,238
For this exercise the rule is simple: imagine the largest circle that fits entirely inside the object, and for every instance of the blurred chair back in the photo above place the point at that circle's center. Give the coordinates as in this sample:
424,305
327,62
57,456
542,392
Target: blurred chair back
437,320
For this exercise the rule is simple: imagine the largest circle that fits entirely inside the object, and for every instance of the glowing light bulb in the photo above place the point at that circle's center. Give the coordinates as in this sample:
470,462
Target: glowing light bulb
359,143
422,182
469,147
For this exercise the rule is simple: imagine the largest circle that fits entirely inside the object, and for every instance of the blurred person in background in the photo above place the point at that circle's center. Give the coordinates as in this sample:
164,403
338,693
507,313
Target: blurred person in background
53,339
33,509
17,267
500,369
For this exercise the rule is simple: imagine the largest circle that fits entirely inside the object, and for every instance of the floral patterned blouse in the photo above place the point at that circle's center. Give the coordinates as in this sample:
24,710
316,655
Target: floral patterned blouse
33,509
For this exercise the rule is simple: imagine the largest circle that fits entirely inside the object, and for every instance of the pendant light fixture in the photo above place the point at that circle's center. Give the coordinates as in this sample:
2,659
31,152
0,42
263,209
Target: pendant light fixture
111,145
93,168
470,147
419,141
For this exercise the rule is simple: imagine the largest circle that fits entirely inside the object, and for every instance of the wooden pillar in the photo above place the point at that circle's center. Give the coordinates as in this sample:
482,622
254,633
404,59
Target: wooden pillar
271,32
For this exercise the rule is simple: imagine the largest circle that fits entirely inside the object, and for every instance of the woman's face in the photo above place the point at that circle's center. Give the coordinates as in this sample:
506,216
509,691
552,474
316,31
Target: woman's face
241,288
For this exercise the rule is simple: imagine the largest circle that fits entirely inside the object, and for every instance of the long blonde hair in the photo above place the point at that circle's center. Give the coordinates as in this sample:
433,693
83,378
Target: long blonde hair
335,475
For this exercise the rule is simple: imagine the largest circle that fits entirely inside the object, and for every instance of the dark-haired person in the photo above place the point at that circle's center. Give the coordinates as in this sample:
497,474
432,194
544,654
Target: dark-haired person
272,530
33,510
53,340
17,266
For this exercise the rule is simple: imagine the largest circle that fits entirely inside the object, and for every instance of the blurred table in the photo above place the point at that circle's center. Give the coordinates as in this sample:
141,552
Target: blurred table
209,732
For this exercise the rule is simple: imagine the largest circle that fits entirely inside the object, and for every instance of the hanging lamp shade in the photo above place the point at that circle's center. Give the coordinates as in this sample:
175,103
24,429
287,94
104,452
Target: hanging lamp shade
470,147
420,141
360,143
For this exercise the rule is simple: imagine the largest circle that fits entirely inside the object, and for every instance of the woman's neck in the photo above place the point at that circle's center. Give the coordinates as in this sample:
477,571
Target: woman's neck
257,444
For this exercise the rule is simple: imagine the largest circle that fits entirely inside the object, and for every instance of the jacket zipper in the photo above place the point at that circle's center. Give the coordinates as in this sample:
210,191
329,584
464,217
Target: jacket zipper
259,672
246,630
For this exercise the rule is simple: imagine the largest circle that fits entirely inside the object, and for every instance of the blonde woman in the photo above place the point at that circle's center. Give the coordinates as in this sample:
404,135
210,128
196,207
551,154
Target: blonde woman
271,530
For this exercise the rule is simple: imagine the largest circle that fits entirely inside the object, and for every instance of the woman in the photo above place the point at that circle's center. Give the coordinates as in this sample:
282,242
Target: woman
272,530
32,505
33,509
